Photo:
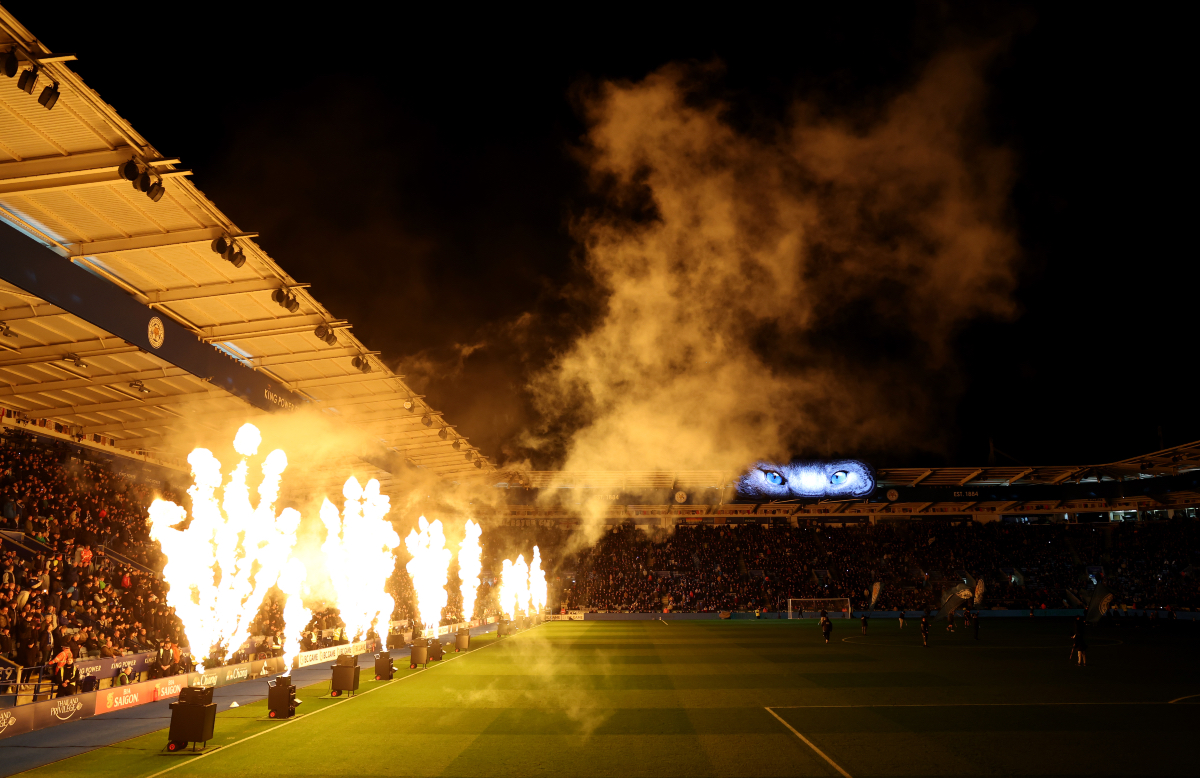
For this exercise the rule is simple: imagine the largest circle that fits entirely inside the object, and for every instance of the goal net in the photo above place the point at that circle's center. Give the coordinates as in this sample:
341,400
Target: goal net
835,607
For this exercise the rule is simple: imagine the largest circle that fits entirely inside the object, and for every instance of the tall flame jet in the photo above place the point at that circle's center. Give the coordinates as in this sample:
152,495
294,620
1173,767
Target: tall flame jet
221,566
537,583
358,555
429,569
470,564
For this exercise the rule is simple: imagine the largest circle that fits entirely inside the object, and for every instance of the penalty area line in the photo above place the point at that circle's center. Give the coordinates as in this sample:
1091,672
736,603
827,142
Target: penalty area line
222,749
809,743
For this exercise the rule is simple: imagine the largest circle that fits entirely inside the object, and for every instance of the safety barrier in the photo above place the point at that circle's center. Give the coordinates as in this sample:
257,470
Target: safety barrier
48,713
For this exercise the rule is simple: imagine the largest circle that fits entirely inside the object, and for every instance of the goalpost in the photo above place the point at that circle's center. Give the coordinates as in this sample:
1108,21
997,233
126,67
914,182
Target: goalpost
835,607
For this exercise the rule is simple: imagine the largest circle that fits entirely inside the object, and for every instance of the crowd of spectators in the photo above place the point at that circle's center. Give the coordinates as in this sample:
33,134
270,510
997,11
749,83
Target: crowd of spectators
62,594
747,567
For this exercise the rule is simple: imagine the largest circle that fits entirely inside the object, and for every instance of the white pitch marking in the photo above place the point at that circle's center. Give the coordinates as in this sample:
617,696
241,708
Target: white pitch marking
1181,699
809,743
222,749
970,704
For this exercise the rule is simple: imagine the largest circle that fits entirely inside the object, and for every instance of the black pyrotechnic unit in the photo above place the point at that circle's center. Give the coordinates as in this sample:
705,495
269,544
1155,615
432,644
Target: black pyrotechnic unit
281,698
384,669
192,718
345,676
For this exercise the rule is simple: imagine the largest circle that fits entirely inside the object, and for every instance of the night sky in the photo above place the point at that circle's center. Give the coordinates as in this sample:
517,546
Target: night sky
422,173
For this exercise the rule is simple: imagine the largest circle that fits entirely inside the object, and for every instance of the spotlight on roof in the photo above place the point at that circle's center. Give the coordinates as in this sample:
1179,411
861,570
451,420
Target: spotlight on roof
138,386
325,332
130,170
443,433
9,63
457,444
361,363
156,191
410,404
219,245
6,330
427,420
143,182
49,96
27,80
75,359
238,259
285,299
479,463
469,456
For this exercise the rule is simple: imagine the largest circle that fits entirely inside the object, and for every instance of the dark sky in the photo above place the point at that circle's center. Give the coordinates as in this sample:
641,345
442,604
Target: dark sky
419,172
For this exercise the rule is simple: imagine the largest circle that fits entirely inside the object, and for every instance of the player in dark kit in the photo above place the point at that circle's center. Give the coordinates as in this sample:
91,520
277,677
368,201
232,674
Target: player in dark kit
901,619
826,625
864,623
1079,642
925,631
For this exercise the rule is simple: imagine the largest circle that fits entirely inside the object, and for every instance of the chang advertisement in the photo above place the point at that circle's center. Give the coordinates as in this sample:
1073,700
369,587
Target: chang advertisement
835,479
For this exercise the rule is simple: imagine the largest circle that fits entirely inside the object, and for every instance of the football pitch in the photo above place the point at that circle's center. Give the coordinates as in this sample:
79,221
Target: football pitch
736,698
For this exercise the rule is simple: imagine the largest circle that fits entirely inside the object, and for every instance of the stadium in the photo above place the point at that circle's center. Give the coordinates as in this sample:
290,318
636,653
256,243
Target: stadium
236,540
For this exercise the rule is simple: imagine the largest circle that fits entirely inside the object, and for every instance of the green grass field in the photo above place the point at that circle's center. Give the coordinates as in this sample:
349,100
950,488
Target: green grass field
739,698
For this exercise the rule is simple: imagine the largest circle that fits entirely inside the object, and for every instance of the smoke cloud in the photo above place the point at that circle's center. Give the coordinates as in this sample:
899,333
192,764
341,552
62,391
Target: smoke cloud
767,293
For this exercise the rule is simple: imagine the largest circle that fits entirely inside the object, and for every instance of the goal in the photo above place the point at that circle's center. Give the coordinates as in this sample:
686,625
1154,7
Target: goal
836,607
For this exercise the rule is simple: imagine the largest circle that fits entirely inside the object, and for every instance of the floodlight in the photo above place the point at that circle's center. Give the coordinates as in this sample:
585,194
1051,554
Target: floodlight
427,420
143,182
27,80
410,405
443,433
156,191
138,386
469,455
49,96
293,304
239,258
325,332
219,245
479,463
6,330
279,296
9,63
130,171
457,444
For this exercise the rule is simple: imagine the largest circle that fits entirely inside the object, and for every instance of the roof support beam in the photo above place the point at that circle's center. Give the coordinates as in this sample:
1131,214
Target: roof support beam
1019,476
187,294
17,313
262,328
970,478
248,413
921,477
80,383
300,357
74,171
101,248
352,378
85,349
123,405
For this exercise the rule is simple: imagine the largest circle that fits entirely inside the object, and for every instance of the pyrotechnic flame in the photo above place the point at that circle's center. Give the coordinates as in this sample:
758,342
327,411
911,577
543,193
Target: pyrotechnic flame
220,567
358,554
295,615
470,564
514,587
428,568
537,583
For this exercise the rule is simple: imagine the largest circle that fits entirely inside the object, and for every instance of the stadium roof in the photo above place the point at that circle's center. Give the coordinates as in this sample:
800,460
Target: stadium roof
60,185
1171,461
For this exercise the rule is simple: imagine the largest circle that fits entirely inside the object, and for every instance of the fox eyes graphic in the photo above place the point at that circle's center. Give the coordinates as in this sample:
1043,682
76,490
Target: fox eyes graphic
838,478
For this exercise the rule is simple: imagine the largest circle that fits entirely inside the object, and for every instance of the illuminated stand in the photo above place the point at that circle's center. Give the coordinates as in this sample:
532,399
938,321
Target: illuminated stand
345,676
281,698
193,718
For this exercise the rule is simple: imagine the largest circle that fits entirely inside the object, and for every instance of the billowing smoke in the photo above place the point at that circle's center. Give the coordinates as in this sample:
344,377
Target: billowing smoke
777,291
